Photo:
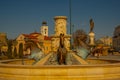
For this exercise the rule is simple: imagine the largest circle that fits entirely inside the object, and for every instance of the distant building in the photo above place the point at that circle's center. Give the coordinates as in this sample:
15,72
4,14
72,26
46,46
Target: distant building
29,41
34,40
3,42
116,38
47,44
107,41
44,29
3,38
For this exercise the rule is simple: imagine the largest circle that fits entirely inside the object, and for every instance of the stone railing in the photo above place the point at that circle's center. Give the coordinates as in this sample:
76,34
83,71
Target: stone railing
60,72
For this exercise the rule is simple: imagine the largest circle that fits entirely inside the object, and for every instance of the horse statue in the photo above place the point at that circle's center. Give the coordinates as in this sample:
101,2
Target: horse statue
62,51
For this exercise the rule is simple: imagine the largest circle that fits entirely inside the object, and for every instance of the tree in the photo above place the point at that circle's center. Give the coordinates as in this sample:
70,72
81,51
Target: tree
20,50
79,38
9,52
15,52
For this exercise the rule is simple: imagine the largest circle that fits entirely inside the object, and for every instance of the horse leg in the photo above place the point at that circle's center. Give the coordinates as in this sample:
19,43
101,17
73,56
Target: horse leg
60,59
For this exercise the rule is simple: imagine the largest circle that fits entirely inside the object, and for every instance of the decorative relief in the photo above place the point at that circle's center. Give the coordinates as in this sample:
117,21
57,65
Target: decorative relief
60,25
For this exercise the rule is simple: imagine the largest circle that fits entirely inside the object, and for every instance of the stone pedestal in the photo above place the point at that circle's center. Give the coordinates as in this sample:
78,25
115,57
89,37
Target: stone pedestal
60,28
91,39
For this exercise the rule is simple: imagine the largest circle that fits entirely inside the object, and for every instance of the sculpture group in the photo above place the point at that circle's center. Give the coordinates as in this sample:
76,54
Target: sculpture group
63,56
62,51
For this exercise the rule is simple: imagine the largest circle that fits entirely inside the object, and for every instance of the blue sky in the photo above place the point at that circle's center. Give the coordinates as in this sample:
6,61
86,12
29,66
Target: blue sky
26,16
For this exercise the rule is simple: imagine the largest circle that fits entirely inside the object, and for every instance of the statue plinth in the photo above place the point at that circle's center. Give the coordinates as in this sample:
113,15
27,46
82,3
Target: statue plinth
91,38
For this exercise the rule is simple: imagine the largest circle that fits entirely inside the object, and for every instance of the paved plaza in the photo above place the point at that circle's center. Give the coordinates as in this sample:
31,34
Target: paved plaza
115,56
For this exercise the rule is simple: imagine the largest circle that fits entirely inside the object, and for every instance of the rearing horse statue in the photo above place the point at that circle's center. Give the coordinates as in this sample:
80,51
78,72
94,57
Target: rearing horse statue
62,51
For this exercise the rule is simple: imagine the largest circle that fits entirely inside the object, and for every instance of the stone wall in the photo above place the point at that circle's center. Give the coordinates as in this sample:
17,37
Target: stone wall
81,72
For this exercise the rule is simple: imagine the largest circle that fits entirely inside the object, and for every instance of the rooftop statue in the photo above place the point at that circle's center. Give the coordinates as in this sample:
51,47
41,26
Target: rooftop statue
91,25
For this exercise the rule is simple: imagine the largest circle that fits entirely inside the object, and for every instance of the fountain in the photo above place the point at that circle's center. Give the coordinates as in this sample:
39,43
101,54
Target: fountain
73,65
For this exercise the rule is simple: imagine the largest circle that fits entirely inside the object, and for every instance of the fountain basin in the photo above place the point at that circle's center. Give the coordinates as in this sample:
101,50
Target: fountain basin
109,71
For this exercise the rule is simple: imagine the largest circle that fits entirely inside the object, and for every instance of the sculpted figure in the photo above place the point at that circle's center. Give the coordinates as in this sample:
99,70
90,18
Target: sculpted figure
61,52
91,25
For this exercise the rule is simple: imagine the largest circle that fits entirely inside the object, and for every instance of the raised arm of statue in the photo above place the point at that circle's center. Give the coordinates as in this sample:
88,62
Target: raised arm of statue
91,25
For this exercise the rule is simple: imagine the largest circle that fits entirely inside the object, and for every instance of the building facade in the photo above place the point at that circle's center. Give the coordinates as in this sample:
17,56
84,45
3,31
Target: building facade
116,38
30,41
47,44
39,40
44,29
34,40
3,42
107,41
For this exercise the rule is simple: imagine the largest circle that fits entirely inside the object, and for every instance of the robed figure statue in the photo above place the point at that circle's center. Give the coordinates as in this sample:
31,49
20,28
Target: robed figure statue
91,25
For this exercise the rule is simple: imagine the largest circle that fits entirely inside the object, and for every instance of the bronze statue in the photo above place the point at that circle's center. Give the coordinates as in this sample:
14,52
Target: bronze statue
62,51
91,25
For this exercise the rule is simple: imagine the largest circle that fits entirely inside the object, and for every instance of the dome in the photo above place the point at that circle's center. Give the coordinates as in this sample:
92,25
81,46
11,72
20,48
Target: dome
60,17
44,23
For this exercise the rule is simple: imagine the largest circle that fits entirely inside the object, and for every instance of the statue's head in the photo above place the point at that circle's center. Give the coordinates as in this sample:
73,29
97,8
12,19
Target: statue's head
91,25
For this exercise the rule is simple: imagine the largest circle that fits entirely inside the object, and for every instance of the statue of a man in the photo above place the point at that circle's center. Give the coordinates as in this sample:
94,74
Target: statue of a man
91,25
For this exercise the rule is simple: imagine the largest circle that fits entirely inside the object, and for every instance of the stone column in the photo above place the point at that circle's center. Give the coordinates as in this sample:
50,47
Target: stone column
60,25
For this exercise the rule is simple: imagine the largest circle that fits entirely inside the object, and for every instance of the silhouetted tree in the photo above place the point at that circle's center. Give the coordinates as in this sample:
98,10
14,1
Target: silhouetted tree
15,52
9,52
79,38
20,50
